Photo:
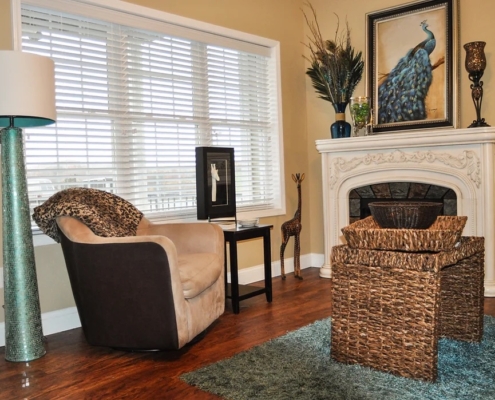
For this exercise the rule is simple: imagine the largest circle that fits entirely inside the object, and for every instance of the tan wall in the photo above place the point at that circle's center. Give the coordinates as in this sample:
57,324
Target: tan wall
305,117
5,37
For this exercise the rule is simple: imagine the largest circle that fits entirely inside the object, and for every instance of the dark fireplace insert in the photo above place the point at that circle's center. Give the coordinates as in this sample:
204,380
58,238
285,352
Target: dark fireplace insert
360,197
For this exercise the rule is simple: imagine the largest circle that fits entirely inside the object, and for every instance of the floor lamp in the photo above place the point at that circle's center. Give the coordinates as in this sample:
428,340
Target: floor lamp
27,99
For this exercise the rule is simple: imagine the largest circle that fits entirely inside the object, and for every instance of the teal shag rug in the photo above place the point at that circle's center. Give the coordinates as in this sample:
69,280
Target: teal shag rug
298,366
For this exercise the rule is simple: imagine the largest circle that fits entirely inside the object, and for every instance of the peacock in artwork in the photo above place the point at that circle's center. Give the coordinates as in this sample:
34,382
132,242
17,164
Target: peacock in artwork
401,96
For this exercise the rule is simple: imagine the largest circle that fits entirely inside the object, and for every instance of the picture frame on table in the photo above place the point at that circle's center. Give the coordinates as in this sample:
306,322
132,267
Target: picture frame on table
215,182
412,64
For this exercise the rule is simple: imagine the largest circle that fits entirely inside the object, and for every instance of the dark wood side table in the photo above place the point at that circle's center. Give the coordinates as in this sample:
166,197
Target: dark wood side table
238,292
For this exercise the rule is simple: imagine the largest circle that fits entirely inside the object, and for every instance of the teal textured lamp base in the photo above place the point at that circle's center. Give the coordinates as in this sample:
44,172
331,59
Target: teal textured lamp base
23,329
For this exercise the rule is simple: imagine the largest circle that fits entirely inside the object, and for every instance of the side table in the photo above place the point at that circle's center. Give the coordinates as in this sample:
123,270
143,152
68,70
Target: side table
238,292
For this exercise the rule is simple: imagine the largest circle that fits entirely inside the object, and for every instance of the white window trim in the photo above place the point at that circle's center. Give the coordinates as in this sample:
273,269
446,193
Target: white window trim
116,5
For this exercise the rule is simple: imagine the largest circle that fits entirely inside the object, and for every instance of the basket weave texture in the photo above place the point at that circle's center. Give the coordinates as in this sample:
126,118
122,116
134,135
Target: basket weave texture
442,235
390,307
405,214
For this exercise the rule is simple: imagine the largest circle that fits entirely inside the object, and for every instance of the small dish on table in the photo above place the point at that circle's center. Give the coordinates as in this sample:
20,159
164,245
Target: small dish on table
248,223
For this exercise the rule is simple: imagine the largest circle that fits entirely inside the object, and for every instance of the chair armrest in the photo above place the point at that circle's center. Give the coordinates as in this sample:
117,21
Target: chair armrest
189,238
78,232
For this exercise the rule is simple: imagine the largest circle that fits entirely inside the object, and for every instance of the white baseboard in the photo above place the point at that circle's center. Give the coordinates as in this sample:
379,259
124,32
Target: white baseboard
68,318
489,288
53,322
257,273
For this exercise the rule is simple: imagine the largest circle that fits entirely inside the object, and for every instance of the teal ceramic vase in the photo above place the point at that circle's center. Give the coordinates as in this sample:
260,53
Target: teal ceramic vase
340,128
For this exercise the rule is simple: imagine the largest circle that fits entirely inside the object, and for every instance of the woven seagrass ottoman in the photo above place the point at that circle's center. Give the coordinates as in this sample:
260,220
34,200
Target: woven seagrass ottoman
389,307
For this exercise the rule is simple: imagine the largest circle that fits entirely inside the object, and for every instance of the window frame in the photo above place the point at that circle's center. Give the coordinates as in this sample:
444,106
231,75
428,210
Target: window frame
272,47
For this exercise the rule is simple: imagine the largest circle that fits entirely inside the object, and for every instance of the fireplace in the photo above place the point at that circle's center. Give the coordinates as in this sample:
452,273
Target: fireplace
461,161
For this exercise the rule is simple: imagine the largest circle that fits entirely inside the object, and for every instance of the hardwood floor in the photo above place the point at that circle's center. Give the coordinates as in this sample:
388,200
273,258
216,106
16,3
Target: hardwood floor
72,369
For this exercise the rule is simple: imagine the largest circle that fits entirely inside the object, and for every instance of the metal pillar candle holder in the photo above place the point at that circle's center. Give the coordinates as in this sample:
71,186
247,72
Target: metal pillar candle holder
475,66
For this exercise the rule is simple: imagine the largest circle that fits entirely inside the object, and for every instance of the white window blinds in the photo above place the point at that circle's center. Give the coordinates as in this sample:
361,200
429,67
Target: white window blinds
132,105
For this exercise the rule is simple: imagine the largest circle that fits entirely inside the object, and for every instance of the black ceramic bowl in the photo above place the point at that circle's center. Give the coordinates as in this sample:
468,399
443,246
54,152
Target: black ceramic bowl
405,214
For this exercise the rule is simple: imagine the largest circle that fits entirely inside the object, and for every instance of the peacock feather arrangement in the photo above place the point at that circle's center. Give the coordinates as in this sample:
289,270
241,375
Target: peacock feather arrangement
336,68
403,91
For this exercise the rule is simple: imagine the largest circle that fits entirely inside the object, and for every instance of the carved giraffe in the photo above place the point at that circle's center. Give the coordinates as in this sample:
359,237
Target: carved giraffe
290,228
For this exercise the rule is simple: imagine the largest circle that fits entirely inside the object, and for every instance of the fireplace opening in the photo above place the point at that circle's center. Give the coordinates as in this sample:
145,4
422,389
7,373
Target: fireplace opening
359,198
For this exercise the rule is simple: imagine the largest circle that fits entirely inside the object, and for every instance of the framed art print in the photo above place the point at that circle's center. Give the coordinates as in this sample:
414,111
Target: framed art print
215,182
412,65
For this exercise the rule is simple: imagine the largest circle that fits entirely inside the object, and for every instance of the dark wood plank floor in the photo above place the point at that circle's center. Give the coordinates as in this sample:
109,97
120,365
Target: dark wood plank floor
71,369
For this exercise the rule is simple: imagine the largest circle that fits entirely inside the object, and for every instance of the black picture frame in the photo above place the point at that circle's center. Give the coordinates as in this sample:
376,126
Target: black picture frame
394,34
215,197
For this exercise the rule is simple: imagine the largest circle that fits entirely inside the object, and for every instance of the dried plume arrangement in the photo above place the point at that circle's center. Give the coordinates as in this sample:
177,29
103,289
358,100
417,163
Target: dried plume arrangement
336,68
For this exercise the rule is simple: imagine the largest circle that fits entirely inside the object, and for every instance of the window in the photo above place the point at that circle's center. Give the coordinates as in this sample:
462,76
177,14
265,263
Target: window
136,94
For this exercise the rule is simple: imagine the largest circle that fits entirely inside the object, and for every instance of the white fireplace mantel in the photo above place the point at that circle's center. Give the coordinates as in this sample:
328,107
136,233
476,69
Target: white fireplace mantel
460,159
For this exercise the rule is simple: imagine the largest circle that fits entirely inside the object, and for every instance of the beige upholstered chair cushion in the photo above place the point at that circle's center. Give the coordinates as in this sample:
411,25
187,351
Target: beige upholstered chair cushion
198,272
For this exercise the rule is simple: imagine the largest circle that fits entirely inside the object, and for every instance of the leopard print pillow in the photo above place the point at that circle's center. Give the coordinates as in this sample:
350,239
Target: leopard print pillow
104,213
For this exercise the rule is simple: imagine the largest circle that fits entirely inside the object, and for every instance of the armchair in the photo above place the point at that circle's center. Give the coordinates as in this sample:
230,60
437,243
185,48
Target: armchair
158,287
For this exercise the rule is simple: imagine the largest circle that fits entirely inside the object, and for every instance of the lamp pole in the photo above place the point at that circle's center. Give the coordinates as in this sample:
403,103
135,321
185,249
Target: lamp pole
23,329
27,82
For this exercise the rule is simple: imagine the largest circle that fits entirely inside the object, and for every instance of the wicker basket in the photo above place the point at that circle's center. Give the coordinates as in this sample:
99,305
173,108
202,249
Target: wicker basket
442,235
390,307
405,214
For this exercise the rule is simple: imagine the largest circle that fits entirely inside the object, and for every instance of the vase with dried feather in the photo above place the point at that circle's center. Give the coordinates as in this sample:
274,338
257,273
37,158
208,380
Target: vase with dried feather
335,70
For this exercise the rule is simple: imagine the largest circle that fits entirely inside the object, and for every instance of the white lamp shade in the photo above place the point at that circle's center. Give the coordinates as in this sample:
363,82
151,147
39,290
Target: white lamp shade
27,85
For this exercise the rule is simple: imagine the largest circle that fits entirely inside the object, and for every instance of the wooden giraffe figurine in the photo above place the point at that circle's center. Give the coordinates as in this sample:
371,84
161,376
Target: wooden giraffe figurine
290,228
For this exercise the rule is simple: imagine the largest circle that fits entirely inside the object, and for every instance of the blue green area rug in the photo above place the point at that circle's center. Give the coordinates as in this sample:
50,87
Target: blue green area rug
298,366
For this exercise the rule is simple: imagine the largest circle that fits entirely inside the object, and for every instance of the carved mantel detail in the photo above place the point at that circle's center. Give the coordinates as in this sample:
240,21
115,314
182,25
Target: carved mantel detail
468,161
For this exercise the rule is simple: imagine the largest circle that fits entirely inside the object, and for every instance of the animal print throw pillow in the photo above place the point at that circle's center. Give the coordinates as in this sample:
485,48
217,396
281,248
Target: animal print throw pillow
104,213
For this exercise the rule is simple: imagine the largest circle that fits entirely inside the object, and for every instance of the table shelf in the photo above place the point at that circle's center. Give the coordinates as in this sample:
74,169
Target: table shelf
233,290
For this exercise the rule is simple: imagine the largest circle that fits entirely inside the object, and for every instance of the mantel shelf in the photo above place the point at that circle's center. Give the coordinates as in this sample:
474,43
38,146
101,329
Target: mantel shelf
426,138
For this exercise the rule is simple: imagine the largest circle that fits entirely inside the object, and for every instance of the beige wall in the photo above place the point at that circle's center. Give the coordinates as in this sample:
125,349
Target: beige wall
5,37
305,117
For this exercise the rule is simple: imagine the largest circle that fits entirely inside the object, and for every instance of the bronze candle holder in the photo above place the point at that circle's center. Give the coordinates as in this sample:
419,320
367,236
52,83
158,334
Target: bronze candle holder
475,66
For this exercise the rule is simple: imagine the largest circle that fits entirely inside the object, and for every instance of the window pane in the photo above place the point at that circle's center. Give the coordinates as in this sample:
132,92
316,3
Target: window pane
132,105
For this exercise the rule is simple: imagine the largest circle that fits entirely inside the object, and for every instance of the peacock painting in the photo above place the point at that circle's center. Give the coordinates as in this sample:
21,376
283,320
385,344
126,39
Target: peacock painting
402,92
